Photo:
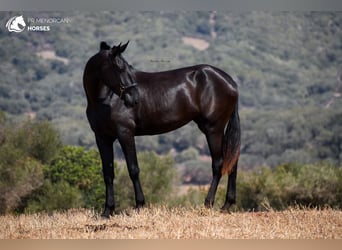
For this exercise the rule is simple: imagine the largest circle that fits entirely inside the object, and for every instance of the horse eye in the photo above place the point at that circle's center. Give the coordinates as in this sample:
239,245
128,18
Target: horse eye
119,63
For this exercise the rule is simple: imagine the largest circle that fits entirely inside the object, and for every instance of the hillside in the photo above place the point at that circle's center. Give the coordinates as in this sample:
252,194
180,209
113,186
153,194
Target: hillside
176,223
287,65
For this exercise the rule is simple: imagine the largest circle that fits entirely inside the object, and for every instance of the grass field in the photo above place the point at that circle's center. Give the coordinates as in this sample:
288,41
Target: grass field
176,223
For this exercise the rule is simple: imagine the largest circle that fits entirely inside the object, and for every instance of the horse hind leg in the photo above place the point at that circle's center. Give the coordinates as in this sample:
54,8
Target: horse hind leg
231,190
215,147
232,141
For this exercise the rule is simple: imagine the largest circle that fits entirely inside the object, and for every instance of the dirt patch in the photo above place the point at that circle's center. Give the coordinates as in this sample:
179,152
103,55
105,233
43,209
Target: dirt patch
197,43
51,55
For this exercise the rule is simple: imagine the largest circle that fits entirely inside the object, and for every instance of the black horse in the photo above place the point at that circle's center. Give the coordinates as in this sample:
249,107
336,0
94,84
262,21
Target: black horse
124,102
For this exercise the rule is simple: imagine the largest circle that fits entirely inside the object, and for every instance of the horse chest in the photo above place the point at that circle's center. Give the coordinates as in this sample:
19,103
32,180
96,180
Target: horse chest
100,120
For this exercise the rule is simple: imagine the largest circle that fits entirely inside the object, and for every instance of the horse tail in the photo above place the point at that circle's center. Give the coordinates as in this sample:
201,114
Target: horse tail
231,142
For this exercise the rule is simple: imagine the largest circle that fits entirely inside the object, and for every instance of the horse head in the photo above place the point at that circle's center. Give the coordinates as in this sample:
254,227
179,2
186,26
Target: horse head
119,74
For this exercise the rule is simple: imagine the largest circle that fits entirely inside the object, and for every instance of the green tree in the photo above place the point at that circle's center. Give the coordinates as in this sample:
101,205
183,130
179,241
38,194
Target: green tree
187,155
38,139
80,169
17,179
24,148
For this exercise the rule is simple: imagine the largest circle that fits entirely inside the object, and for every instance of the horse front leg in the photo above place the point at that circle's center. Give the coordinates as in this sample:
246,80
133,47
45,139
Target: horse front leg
128,147
105,146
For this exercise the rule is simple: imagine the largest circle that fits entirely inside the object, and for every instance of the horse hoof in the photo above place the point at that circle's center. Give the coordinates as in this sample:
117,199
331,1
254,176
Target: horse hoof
140,204
105,216
208,204
139,207
226,209
107,213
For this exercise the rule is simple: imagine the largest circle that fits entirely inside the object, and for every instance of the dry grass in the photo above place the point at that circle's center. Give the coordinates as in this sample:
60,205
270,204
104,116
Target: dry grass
176,223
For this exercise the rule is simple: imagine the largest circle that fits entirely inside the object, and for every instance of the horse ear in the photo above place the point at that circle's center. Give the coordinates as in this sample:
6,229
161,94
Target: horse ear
116,50
123,47
104,46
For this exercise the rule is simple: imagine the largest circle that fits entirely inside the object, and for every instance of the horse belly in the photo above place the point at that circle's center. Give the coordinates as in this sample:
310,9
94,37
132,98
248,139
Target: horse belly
163,122
157,127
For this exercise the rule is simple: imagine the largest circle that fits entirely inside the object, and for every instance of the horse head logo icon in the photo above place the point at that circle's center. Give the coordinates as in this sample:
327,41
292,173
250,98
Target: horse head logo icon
16,24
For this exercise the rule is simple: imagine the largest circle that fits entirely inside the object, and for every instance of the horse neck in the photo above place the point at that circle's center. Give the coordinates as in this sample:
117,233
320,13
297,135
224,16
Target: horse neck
132,72
94,90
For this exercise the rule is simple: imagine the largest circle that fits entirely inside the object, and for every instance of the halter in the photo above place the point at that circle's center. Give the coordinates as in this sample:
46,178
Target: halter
124,88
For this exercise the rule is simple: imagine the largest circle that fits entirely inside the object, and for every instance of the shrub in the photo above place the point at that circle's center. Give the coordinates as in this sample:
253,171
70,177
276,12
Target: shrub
157,176
315,185
38,139
309,185
23,150
17,180
54,196
81,170
187,155
76,175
